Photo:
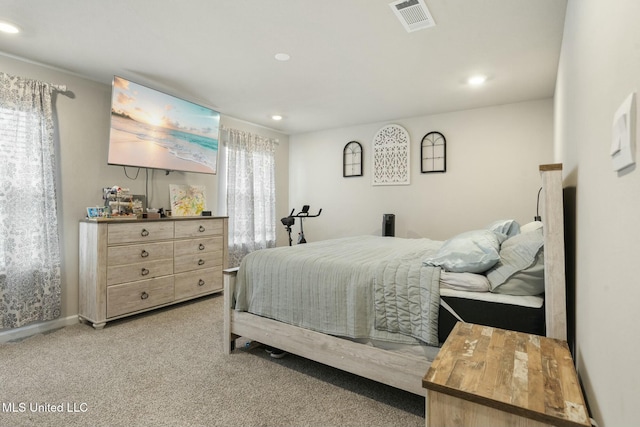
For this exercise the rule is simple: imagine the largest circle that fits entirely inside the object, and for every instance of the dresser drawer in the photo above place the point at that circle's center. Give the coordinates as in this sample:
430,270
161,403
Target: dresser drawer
138,271
118,255
197,262
139,232
130,297
198,282
198,228
197,246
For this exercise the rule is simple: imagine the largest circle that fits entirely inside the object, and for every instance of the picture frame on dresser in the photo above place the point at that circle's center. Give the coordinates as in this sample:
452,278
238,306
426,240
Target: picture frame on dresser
95,211
127,267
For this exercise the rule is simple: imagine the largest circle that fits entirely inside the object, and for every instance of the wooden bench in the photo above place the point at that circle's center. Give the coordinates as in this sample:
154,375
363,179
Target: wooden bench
486,376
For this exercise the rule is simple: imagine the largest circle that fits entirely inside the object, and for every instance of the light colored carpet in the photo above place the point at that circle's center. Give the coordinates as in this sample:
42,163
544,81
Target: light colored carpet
166,368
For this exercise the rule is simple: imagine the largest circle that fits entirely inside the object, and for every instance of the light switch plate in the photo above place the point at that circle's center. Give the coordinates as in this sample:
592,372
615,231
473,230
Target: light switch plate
623,143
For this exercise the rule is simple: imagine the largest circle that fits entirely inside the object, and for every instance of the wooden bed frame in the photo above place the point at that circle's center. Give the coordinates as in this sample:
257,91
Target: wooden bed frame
399,370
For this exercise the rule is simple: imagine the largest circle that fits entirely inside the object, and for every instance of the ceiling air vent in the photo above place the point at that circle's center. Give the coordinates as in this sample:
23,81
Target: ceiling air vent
413,14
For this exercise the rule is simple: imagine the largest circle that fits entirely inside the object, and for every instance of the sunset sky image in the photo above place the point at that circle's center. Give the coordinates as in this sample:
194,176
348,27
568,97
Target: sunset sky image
156,108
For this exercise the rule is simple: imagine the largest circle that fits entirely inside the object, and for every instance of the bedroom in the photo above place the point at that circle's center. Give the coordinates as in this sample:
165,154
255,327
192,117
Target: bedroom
596,72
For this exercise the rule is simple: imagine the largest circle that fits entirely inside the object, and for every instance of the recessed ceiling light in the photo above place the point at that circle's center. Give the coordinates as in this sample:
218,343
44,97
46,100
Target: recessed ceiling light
7,27
477,80
282,57
276,117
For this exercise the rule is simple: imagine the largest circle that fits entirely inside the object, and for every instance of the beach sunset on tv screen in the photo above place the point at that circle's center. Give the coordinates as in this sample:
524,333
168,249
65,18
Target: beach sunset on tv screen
152,129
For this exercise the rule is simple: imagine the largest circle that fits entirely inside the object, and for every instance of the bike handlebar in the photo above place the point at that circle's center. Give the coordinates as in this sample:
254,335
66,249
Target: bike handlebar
304,214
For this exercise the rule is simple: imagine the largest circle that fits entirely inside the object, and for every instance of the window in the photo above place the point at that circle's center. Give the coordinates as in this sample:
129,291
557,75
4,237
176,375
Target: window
249,185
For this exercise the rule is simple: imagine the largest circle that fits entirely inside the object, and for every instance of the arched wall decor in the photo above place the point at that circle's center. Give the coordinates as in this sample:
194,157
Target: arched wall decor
352,159
433,153
391,152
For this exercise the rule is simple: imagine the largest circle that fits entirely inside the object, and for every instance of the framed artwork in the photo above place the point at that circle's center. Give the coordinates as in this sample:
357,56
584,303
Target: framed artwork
391,152
187,200
433,153
352,159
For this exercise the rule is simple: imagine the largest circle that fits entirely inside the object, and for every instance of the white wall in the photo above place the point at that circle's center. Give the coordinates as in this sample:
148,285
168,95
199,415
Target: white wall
492,173
599,67
83,124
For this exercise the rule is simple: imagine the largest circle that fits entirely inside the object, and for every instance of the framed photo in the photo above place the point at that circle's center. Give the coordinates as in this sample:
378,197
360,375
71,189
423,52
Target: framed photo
95,212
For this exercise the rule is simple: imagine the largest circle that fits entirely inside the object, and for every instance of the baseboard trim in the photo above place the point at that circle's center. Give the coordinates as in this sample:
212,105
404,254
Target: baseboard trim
7,335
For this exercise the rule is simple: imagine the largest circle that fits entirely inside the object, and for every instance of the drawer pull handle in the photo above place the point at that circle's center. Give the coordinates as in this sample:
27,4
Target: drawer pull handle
200,282
201,247
201,229
144,232
144,254
145,271
200,262
144,295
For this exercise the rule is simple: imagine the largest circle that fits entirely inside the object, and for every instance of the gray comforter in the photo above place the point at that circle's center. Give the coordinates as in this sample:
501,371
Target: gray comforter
364,287
407,299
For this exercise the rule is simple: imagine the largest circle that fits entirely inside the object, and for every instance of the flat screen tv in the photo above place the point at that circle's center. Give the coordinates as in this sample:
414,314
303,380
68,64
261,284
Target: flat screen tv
151,129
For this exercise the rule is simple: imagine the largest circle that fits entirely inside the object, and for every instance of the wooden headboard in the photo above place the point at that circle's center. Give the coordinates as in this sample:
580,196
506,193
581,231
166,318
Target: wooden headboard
555,286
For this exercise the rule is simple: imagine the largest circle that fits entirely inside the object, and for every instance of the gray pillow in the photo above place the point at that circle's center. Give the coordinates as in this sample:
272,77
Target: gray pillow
470,252
520,270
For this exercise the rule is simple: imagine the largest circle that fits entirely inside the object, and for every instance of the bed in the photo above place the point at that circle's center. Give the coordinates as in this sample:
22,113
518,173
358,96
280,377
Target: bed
379,307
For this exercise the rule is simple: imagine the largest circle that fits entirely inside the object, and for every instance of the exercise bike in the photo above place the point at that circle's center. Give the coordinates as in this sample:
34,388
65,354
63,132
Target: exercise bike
291,220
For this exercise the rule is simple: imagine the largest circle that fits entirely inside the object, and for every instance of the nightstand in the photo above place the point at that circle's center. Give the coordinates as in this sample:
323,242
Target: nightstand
487,376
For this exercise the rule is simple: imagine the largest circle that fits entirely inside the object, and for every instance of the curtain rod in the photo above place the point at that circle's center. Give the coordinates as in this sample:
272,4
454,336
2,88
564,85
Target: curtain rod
59,88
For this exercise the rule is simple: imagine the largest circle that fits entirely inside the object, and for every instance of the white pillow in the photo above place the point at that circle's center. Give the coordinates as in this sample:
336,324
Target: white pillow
531,226
470,282
470,252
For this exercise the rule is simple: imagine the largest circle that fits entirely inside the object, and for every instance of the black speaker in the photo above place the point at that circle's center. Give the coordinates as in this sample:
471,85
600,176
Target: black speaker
388,225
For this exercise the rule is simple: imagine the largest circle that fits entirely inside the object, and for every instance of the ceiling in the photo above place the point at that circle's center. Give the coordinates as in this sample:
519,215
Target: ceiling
352,62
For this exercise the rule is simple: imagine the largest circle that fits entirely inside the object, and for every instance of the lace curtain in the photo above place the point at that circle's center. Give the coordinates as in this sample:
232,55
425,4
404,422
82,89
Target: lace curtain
250,190
29,247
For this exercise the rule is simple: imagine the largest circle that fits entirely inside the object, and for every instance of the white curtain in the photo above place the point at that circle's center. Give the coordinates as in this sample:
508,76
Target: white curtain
29,247
249,161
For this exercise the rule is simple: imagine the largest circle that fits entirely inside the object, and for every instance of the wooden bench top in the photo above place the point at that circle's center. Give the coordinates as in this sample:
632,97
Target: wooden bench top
527,375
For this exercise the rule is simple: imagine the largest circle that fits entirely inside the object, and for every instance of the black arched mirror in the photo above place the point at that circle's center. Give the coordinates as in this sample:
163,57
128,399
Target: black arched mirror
433,153
352,159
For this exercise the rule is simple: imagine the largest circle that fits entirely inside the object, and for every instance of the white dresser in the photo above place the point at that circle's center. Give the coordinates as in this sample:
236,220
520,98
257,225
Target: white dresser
130,266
